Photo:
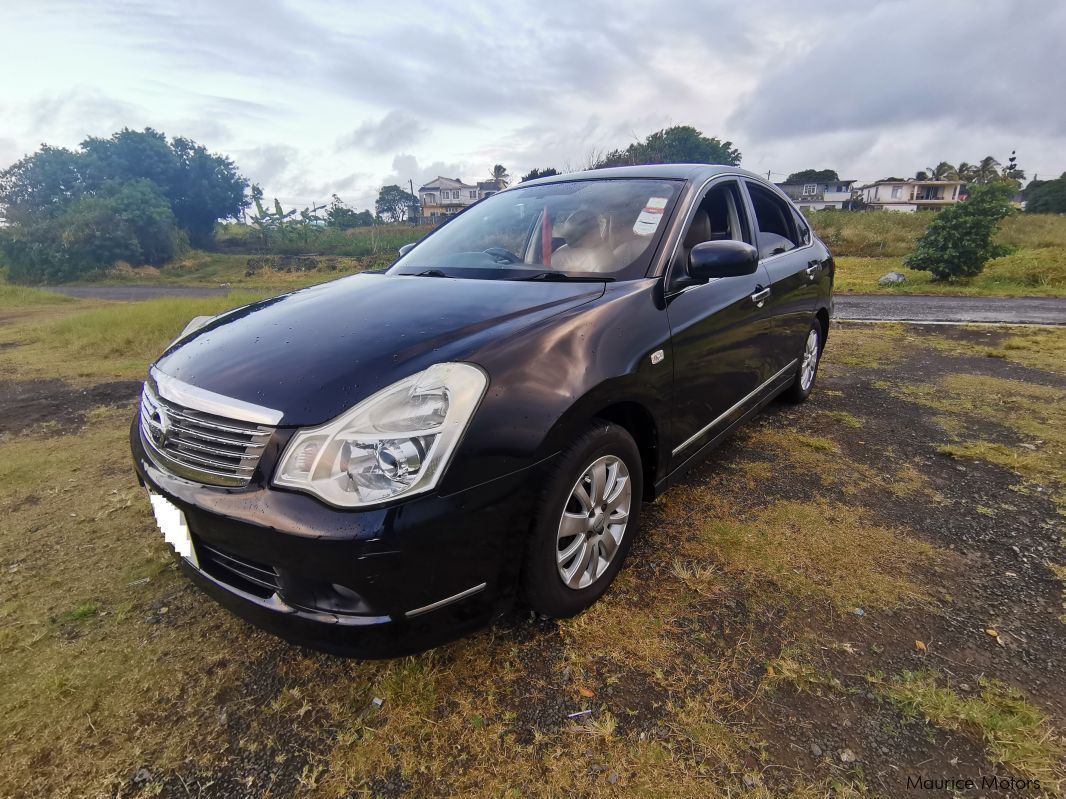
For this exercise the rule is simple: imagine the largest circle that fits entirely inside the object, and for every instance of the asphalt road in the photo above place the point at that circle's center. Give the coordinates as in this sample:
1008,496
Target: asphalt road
925,308
850,307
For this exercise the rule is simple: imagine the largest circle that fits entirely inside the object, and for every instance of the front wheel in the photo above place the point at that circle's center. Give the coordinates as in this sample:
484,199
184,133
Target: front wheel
807,370
586,520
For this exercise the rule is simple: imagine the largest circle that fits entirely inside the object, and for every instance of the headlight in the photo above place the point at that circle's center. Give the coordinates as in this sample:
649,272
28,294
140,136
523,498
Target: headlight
396,442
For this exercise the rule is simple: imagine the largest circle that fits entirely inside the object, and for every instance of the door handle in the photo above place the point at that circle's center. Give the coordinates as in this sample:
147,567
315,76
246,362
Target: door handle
759,297
813,268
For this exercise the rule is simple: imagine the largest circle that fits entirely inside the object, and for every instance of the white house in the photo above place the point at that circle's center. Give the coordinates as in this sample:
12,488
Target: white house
911,194
445,197
815,196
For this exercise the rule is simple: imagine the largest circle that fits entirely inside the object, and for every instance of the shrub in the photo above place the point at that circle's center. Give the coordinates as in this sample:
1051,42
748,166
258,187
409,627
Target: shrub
958,243
129,222
1047,198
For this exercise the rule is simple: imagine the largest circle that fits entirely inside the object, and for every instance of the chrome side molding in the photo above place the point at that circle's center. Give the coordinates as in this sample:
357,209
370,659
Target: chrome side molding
449,600
695,436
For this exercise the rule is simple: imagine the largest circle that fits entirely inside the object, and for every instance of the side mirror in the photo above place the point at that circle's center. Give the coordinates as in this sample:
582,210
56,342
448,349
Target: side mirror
406,249
711,259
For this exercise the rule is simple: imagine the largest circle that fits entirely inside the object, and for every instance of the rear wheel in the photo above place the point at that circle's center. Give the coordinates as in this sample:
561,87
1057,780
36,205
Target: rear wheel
807,370
586,520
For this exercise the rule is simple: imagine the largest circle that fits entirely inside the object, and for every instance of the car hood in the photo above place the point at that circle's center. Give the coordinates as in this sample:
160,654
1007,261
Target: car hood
314,353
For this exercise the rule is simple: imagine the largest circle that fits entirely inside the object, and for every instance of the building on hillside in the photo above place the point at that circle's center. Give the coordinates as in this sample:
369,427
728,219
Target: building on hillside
818,195
445,197
911,194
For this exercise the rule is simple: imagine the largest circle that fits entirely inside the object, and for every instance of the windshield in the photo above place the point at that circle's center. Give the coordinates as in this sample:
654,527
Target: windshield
581,230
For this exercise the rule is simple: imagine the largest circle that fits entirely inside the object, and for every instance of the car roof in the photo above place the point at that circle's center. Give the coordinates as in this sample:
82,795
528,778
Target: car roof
692,172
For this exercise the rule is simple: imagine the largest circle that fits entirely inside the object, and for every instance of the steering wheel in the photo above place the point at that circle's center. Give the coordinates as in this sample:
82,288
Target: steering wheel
502,256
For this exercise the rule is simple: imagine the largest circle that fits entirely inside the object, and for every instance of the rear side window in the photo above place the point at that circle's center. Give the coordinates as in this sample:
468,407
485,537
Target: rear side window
776,225
802,228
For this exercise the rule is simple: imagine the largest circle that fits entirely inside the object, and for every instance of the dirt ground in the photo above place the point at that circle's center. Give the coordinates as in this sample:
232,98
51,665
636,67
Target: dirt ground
849,596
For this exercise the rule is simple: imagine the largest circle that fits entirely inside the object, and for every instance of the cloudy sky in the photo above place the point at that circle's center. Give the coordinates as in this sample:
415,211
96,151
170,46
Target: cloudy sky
312,98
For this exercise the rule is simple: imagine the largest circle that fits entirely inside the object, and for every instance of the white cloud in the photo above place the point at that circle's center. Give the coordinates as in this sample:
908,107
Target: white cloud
320,97
395,129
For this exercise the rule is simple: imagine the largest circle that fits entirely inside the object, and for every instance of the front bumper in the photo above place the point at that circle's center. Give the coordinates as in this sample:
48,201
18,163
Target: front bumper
370,583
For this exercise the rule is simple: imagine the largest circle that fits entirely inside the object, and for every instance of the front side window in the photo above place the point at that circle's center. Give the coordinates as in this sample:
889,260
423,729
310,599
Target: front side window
774,220
591,229
720,216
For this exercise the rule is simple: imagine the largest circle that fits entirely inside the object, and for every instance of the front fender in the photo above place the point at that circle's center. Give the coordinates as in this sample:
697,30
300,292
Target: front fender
547,381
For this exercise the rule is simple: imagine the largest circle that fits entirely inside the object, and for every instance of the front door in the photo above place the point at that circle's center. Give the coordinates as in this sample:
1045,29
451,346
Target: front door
720,329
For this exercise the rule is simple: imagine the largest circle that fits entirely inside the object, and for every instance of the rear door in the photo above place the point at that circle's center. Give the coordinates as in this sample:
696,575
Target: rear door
785,251
720,329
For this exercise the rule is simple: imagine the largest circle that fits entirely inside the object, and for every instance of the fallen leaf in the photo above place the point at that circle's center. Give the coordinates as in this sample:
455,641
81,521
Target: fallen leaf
920,645
585,692
992,632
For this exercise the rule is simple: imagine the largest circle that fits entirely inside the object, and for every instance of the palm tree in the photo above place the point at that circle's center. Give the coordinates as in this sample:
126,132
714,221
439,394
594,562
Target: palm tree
966,172
987,170
942,171
499,176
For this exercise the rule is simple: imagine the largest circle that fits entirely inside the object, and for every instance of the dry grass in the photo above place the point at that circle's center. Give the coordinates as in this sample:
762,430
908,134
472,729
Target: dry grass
25,297
821,552
1015,732
268,273
868,346
1036,413
94,341
1040,348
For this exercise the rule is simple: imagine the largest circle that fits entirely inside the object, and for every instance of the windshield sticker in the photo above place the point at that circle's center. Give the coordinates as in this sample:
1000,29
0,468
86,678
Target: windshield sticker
650,217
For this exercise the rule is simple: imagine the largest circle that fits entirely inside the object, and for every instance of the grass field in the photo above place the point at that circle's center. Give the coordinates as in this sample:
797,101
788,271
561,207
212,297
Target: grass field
1025,273
730,658
867,245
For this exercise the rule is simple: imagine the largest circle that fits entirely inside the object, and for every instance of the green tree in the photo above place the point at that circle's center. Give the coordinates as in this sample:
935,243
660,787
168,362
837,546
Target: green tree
813,176
40,184
200,187
1046,196
208,188
341,216
958,242
393,202
681,144
535,173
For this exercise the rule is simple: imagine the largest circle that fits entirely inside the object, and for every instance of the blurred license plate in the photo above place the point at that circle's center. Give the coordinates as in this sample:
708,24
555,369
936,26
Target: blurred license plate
172,524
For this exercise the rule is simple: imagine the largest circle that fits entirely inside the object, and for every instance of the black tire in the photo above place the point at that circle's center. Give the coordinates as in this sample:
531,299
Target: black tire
796,392
541,585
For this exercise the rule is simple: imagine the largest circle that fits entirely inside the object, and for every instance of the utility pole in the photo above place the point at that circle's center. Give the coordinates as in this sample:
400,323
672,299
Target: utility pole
767,175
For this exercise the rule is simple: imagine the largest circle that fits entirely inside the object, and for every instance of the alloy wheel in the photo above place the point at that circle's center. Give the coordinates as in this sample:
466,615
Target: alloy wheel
593,522
810,360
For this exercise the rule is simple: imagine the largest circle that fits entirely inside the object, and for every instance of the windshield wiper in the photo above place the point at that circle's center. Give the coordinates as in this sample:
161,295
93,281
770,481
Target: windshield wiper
563,277
431,273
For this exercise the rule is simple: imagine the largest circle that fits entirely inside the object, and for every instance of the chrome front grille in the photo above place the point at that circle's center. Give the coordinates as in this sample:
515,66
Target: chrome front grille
198,445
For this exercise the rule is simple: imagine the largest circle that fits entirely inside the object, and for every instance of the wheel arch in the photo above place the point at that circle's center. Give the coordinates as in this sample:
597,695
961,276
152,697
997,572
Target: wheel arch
822,316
